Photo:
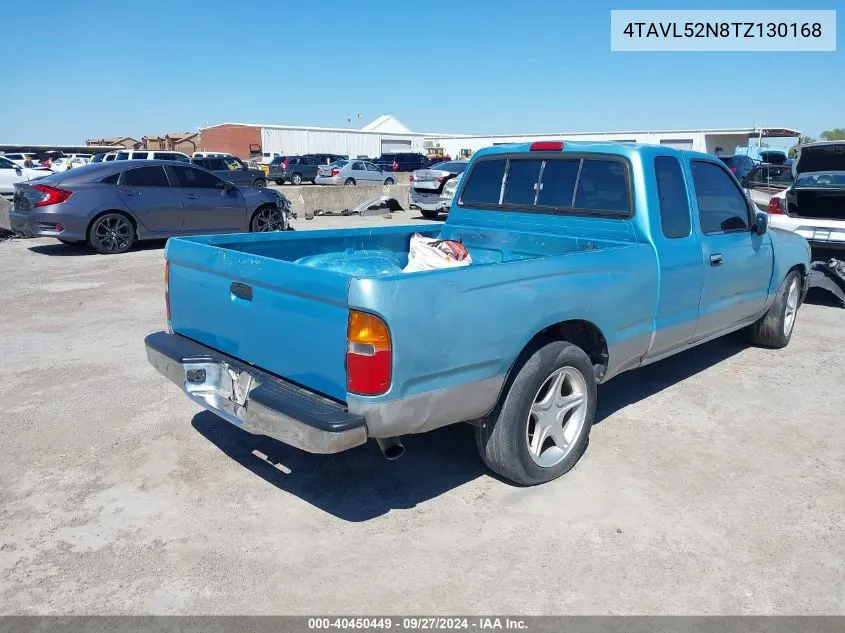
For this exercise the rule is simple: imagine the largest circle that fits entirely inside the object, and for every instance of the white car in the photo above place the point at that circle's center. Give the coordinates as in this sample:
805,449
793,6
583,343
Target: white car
433,189
143,154
70,161
20,158
814,205
10,173
353,172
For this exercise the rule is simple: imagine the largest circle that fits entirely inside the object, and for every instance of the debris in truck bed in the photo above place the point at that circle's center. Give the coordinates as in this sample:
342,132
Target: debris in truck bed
830,276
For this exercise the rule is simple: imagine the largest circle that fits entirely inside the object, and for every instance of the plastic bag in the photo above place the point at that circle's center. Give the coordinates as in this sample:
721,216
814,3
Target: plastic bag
428,253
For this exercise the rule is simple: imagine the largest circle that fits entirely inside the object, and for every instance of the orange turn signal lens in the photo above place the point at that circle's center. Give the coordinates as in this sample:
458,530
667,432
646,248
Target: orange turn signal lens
368,329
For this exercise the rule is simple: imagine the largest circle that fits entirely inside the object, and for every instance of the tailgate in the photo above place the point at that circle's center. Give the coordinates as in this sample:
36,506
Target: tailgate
286,319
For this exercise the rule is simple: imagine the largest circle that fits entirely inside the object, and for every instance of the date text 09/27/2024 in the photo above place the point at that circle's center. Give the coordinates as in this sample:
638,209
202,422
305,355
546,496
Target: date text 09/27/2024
722,29
417,623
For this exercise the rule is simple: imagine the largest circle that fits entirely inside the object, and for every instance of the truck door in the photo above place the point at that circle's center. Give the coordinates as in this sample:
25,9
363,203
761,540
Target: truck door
737,263
679,259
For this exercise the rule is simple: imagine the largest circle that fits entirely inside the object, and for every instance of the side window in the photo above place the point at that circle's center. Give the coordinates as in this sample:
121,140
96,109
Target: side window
139,156
672,193
215,164
293,161
122,156
358,166
5,163
721,205
757,176
558,186
162,156
603,186
484,184
111,180
521,183
371,167
145,177
191,178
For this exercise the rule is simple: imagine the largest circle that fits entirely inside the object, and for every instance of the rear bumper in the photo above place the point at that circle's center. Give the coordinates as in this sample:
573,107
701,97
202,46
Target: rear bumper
266,405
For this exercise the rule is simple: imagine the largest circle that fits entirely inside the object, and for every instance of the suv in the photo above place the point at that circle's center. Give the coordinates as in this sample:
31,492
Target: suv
143,154
325,159
232,169
293,169
739,164
402,161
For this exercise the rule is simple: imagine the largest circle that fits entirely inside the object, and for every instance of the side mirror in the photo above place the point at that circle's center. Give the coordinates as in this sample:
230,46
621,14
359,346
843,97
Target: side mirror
762,223
18,171
226,186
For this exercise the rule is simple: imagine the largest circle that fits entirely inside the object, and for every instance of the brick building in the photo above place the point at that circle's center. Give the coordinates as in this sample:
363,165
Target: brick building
235,138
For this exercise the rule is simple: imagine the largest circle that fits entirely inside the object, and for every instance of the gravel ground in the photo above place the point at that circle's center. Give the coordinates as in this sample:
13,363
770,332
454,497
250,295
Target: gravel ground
714,483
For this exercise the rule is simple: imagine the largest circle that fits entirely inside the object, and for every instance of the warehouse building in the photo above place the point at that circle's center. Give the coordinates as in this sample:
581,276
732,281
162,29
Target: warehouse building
388,134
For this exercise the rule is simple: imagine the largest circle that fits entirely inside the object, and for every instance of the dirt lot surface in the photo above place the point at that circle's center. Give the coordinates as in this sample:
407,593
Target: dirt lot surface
714,483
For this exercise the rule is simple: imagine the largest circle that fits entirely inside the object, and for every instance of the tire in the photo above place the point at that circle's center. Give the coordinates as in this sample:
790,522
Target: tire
774,329
430,215
296,179
388,181
508,440
349,182
259,183
111,233
267,218
71,242
279,182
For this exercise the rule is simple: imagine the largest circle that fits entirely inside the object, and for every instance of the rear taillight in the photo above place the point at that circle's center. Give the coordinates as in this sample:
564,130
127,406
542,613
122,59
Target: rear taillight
285,164
733,170
335,171
50,195
775,207
368,355
411,177
442,179
167,290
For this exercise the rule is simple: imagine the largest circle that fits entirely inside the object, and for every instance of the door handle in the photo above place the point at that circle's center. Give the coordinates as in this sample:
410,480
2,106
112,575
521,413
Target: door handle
190,196
241,291
716,259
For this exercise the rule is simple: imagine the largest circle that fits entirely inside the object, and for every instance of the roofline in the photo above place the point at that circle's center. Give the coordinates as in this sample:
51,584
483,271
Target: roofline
768,131
51,147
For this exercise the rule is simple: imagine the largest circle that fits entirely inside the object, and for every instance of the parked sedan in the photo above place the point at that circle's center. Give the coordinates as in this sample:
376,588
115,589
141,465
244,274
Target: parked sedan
432,189
232,169
111,205
352,172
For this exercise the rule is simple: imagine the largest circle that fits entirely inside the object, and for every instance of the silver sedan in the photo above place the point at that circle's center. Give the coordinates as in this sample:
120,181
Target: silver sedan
352,172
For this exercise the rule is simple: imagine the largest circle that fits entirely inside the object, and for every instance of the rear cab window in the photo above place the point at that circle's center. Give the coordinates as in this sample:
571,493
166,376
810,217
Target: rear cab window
672,195
593,184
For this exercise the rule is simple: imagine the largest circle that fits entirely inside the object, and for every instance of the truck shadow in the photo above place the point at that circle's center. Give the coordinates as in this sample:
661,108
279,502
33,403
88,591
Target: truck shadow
639,384
359,484
76,250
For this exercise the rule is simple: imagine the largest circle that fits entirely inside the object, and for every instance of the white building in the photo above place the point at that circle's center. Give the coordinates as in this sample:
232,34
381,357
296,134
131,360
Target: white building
388,134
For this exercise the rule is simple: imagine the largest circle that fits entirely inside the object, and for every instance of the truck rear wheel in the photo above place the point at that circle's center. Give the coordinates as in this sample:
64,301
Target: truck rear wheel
430,215
775,327
542,427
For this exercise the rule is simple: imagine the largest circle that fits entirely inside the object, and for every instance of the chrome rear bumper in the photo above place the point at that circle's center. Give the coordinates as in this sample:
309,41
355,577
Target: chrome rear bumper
253,400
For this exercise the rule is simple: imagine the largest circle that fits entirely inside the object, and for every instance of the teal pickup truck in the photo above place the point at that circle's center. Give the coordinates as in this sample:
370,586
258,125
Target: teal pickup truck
588,259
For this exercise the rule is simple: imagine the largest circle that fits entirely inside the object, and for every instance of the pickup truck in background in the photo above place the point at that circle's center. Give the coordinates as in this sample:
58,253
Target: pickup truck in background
588,259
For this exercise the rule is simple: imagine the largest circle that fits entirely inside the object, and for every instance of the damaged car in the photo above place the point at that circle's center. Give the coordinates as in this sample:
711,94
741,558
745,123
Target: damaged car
433,189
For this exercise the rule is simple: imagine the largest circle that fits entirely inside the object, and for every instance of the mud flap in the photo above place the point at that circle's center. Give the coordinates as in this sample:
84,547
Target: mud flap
830,276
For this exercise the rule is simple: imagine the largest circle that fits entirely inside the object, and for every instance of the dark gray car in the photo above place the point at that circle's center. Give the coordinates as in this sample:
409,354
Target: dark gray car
293,169
110,205
232,169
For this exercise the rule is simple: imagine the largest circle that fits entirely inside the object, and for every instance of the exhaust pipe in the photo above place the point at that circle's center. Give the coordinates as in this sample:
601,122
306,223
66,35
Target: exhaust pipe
391,447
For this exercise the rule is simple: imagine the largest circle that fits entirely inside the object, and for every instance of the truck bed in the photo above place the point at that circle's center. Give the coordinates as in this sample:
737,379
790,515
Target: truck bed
293,320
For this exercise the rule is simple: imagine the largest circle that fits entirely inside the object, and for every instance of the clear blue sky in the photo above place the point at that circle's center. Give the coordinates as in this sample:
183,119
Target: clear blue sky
74,70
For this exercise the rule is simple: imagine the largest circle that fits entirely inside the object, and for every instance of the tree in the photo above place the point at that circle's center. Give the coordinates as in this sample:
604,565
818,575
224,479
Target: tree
836,134
802,140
